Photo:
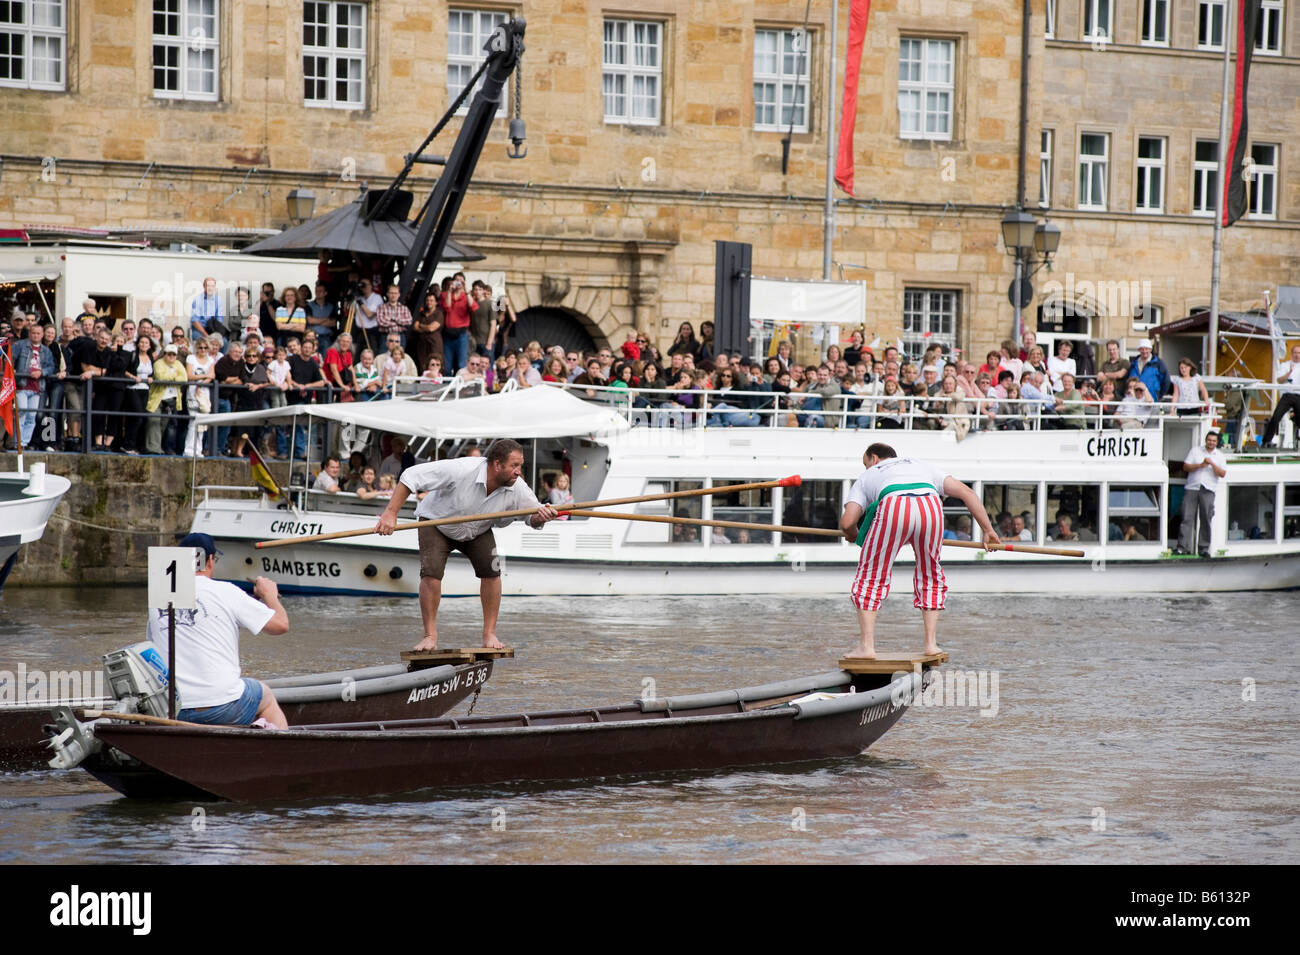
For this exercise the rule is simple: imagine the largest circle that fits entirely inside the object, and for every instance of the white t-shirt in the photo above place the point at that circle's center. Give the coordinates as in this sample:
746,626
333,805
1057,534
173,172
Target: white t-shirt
207,641
278,371
1292,371
198,369
372,302
868,486
460,487
1206,478
1056,367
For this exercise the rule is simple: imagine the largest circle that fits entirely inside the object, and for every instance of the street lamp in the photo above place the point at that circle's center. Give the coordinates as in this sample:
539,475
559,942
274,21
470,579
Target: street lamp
1033,244
301,203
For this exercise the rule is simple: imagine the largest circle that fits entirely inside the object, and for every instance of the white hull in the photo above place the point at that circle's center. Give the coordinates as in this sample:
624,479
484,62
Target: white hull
26,503
389,570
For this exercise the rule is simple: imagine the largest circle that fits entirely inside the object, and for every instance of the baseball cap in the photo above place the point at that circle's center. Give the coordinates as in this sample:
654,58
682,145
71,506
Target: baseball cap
1145,343
269,350
203,542
171,350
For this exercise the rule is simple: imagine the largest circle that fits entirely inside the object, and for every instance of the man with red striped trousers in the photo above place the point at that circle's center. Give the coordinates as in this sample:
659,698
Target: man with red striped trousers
898,501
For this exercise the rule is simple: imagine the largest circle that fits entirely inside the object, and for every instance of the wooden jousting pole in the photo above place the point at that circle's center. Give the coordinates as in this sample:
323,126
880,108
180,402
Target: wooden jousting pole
792,481
819,531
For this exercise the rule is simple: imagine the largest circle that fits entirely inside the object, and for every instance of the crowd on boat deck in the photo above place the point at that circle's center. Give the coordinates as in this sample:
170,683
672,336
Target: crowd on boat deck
133,387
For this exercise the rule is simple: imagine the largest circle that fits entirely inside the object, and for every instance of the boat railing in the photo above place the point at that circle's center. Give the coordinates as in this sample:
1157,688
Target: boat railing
697,408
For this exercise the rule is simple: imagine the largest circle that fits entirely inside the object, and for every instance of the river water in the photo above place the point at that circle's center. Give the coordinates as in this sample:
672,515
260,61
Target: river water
1157,729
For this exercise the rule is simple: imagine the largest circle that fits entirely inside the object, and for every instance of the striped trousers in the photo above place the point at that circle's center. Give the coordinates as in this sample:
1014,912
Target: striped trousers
901,519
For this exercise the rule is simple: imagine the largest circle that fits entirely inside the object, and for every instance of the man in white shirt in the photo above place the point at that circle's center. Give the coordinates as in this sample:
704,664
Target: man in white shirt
1205,467
477,485
208,680
902,501
327,481
1288,399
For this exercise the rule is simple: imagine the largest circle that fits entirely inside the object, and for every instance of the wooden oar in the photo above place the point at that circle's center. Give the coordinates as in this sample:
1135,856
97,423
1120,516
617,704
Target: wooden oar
819,531
792,481
83,714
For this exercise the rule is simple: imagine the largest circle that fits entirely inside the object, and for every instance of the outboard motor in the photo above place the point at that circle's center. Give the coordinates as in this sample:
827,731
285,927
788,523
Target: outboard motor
137,678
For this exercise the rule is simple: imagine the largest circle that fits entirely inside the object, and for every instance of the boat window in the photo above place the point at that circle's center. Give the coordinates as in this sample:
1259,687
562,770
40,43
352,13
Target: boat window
643,532
752,507
1080,503
1134,513
1251,510
1007,502
1291,513
957,524
812,504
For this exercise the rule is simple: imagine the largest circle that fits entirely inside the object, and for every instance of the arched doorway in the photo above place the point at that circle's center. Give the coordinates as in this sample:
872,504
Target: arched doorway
552,326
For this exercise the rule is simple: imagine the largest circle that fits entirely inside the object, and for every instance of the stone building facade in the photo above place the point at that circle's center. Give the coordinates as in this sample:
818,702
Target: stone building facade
655,130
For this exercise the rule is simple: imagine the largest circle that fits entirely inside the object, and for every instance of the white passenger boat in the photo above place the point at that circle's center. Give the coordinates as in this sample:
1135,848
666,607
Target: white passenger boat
27,499
1121,488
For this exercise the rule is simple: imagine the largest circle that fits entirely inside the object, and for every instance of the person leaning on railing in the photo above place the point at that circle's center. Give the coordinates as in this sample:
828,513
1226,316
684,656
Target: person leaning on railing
1069,403
164,405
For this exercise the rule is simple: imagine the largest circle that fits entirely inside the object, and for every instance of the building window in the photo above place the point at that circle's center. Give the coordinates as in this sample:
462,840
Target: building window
1097,20
1148,316
1155,23
929,318
467,31
1205,177
1151,174
1210,16
1049,29
33,44
185,49
1045,168
925,88
1093,163
1263,181
1268,32
334,55
781,80
632,71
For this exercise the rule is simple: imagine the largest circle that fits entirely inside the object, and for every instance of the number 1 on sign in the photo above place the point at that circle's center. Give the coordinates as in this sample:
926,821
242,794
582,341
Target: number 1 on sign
171,577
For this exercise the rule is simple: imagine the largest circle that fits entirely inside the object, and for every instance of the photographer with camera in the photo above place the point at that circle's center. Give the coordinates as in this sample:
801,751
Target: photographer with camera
458,307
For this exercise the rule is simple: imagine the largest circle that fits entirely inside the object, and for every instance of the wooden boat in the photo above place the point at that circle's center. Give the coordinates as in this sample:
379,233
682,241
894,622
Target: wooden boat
834,714
369,693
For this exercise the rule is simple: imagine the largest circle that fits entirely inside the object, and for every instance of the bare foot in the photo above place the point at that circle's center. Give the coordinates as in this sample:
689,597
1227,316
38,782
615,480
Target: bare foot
931,651
428,643
491,642
859,654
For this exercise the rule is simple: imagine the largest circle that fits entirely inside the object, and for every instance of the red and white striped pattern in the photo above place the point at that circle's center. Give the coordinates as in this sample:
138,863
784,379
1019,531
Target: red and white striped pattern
899,520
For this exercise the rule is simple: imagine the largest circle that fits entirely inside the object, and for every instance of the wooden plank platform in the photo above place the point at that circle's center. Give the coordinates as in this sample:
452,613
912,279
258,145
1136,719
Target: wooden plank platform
421,659
893,664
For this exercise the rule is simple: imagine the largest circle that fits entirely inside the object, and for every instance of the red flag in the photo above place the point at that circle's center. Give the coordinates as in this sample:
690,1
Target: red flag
8,388
849,114
1236,188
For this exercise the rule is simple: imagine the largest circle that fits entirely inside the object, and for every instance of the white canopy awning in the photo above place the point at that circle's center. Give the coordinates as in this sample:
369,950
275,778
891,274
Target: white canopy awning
539,412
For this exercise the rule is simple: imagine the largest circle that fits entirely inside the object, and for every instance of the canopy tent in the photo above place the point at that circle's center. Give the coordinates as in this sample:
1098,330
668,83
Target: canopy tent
540,412
346,230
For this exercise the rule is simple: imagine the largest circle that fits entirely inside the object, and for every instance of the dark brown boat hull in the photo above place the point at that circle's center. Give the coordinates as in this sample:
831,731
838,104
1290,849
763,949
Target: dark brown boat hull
23,744
329,762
